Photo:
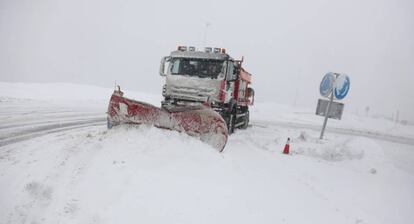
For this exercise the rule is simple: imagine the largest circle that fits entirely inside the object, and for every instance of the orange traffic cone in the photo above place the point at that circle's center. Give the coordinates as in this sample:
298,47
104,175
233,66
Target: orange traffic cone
286,149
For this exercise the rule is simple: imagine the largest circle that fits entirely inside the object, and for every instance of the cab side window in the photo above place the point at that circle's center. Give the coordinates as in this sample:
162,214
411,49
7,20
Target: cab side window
176,66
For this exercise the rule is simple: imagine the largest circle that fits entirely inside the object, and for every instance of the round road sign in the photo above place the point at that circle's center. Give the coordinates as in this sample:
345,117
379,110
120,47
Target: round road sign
327,84
341,86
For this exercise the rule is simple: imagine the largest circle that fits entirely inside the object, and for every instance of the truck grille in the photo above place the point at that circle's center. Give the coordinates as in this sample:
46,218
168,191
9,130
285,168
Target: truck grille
199,94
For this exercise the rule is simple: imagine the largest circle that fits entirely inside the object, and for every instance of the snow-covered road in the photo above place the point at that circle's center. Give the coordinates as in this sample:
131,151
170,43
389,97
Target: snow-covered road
59,164
25,119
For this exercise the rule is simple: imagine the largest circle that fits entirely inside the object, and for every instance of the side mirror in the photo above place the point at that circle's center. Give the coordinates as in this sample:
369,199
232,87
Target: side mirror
233,77
163,67
250,96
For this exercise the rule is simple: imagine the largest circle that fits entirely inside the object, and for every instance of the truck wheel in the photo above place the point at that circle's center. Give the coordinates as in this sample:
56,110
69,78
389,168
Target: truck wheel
232,121
246,120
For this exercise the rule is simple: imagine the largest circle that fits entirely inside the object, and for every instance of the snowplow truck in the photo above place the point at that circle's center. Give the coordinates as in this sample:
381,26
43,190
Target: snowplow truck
206,95
212,77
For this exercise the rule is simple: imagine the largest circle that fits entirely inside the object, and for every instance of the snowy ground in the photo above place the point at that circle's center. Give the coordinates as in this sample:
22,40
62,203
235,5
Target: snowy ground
59,164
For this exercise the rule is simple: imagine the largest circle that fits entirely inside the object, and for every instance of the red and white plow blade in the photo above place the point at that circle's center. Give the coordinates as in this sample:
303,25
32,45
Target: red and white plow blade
200,121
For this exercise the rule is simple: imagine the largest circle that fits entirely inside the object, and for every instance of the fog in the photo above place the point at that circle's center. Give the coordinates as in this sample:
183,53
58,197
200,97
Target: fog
287,45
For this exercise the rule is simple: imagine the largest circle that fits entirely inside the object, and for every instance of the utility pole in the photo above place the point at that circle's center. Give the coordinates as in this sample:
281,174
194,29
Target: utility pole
296,90
205,34
397,117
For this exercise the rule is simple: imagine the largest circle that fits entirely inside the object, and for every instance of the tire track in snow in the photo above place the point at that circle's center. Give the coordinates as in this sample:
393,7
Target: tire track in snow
40,130
51,118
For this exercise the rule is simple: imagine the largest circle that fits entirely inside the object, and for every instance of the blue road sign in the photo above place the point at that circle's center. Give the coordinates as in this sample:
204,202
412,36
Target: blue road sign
341,86
327,84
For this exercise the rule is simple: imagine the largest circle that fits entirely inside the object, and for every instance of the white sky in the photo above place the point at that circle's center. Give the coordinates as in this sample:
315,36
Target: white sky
288,45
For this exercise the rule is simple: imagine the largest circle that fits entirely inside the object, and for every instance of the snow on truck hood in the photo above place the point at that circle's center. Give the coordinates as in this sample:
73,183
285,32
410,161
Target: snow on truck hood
192,87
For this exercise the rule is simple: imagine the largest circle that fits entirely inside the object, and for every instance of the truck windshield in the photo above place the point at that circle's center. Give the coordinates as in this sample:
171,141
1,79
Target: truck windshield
204,68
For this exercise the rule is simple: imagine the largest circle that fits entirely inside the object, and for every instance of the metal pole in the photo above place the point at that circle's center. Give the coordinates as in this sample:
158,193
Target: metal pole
296,90
326,115
205,34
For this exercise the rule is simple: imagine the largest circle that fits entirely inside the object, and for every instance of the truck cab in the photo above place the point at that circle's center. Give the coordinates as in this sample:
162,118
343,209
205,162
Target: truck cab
210,76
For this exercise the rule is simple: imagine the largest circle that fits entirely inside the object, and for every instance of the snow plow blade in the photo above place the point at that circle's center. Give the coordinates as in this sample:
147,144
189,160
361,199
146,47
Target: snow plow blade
199,121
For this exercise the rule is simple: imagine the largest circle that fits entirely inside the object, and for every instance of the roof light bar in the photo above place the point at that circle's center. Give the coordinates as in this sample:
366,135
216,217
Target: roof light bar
182,48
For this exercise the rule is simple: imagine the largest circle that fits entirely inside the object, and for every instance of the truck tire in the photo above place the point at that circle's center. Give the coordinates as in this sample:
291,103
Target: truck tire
246,120
232,120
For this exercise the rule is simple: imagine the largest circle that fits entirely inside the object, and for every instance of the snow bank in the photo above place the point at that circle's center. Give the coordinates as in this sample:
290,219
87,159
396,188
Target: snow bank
111,176
66,92
332,151
53,91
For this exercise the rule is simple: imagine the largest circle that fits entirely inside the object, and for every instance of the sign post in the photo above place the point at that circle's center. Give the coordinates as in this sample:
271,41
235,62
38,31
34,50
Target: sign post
326,116
336,86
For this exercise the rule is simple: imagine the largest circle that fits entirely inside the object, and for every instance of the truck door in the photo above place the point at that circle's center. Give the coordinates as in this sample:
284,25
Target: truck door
230,78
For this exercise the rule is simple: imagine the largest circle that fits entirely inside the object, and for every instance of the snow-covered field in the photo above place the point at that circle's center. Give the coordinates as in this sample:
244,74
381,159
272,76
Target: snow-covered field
59,164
